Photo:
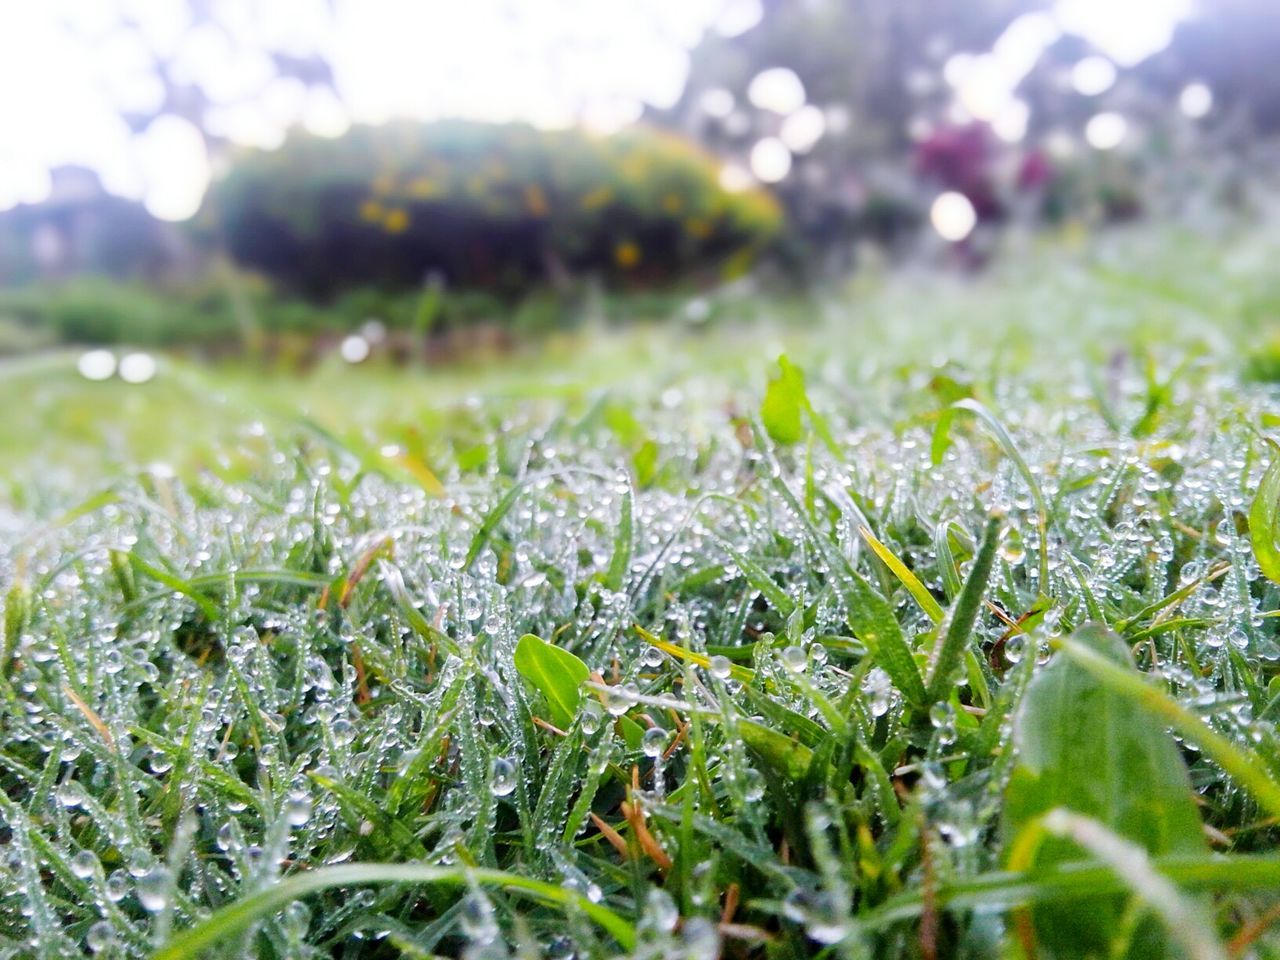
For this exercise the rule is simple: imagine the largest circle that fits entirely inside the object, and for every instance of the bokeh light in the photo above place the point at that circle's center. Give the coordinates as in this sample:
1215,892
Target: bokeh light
1196,100
1093,75
770,160
803,129
96,364
953,216
778,89
1106,130
137,367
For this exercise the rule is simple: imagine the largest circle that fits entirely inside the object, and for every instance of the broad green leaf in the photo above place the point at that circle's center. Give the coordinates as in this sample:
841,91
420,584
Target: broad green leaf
784,399
1264,523
631,732
1086,748
557,674
1185,920
1248,769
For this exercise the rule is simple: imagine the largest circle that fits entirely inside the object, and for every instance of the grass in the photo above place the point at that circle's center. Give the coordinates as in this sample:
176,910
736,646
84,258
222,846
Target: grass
266,700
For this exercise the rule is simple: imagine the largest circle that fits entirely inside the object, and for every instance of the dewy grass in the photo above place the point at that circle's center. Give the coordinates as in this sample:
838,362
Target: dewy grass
272,707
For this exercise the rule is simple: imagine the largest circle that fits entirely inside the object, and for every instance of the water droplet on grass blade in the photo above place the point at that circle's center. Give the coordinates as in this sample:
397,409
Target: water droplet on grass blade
71,794
83,864
153,889
591,716
502,777
100,937
297,808
794,659
653,742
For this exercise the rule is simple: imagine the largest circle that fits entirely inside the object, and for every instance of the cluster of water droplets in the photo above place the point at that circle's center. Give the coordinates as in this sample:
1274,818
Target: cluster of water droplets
293,667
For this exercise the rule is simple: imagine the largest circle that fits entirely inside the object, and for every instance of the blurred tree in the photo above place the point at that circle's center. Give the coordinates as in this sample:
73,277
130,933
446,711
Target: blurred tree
1233,48
873,69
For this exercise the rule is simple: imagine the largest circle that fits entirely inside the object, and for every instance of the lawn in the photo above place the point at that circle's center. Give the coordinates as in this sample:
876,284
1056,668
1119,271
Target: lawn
960,643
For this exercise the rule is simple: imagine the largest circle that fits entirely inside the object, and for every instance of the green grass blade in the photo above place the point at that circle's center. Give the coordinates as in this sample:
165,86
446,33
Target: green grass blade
759,578
872,620
234,919
964,615
1005,890
620,563
490,524
1264,523
1011,450
918,590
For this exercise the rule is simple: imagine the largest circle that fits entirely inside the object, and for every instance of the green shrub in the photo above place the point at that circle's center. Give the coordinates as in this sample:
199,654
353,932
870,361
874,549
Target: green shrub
93,310
500,207
202,313
1262,362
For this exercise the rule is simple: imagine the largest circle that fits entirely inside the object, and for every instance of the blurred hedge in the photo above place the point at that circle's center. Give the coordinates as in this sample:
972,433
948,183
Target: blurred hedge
504,207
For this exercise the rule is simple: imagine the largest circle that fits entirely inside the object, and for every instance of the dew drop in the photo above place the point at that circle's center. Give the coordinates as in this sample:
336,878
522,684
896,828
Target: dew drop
153,889
100,937
653,742
83,864
503,777
794,659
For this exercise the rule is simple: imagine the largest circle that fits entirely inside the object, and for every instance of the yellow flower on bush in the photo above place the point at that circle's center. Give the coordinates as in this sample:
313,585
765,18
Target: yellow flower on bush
536,200
396,220
626,254
423,188
596,198
697,227
371,210
672,203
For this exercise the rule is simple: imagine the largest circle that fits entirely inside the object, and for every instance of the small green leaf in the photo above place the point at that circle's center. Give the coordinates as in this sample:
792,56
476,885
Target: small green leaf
1264,523
784,399
1087,748
557,674
631,732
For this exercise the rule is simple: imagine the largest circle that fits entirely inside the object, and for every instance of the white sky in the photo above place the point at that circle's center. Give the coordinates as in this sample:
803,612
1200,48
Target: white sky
67,68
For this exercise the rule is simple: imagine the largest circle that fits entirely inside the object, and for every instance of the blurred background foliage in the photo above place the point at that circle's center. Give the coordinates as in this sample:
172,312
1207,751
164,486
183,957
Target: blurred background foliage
808,140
